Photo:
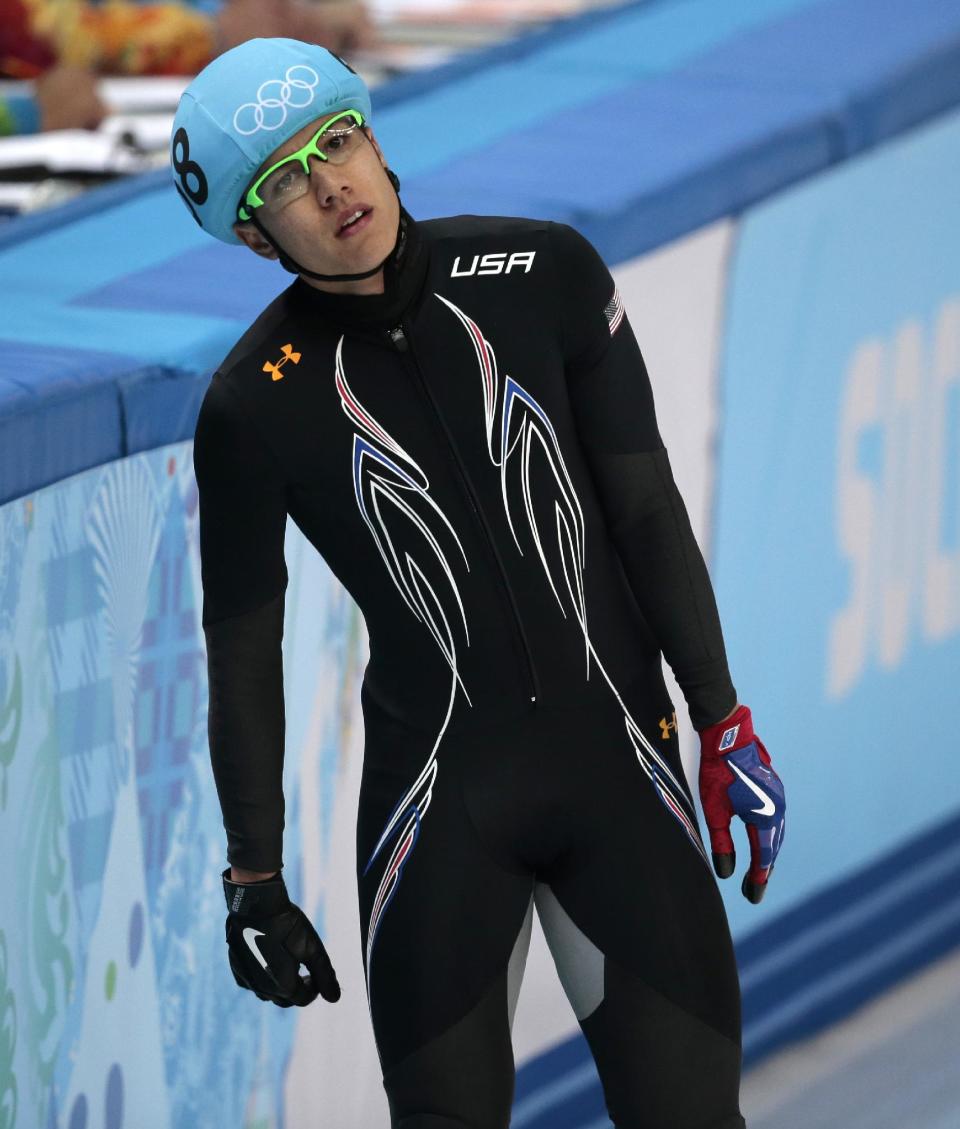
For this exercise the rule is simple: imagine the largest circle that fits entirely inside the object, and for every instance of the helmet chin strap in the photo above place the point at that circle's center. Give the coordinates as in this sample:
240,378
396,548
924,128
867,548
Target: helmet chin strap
289,263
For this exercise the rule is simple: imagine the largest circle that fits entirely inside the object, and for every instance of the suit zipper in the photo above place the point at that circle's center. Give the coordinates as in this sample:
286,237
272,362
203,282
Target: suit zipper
401,343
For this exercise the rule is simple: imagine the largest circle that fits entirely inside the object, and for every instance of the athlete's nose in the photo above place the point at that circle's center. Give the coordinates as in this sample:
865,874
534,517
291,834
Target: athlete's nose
328,182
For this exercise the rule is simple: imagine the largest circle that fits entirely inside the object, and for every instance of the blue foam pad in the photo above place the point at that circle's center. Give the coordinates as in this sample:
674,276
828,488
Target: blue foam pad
195,283
665,157
877,66
59,414
691,110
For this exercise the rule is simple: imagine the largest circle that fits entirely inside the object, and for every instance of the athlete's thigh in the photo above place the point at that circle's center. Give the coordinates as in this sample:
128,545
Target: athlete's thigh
443,928
637,927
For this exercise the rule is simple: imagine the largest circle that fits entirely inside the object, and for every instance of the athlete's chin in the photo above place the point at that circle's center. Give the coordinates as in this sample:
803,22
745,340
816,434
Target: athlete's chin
355,260
324,253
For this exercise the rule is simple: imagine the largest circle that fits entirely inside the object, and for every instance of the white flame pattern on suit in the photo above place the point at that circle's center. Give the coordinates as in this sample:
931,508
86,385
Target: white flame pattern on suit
523,423
383,472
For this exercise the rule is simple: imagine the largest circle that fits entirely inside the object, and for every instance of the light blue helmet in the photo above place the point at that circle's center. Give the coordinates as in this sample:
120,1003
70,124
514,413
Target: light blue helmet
241,107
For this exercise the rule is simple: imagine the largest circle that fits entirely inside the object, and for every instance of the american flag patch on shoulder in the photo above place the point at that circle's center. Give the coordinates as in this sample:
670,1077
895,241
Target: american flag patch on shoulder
614,311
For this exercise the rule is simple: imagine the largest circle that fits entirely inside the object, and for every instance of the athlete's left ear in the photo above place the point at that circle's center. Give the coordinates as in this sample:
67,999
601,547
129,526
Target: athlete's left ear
255,240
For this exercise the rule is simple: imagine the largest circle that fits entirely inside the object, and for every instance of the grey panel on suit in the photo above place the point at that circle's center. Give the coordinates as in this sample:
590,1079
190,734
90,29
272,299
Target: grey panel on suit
518,962
579,962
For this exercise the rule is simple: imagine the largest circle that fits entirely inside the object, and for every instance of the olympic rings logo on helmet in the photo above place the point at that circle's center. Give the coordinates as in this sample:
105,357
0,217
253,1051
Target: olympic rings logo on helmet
273,97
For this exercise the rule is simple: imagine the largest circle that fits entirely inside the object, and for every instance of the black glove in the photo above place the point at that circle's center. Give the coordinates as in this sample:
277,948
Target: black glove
268,937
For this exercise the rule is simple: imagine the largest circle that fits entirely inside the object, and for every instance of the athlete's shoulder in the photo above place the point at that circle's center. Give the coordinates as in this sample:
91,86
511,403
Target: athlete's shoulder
466,227
467,245
587,295
576,256
570,254
564,237
259,340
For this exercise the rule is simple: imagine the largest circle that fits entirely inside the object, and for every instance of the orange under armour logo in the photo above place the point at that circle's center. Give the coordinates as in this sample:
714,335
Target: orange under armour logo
666,726
288,355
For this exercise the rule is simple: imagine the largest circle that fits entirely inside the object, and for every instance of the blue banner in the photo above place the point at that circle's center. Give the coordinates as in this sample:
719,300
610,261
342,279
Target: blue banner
837,555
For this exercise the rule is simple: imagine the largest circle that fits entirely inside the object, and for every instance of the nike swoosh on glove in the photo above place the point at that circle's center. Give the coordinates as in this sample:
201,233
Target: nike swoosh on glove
268,938
736,778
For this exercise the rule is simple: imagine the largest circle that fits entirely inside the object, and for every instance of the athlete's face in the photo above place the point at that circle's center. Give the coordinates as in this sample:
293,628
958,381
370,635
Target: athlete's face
310,228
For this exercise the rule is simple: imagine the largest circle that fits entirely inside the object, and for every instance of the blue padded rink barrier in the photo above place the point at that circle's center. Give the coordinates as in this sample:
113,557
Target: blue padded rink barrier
116,308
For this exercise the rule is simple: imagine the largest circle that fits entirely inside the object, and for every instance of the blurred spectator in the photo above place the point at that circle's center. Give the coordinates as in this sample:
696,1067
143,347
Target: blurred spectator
347,25
340,25
121,37
171,37
23,52
64,98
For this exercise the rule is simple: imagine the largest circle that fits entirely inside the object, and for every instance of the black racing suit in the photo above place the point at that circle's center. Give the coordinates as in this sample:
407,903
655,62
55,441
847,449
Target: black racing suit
475,454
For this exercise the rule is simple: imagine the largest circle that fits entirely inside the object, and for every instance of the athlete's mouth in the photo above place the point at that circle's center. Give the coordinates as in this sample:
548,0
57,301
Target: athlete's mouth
354,220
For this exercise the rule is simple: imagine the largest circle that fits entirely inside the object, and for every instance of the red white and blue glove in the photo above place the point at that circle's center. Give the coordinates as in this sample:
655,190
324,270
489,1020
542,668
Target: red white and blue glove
736,778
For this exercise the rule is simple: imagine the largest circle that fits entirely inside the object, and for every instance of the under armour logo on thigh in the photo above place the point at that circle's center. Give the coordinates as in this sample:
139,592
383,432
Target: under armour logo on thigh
666,726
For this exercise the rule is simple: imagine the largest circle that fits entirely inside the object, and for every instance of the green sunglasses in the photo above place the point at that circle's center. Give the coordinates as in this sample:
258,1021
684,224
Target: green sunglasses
288,178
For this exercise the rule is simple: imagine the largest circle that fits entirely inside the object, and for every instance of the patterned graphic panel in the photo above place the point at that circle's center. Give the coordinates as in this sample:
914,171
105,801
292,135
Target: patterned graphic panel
117,1006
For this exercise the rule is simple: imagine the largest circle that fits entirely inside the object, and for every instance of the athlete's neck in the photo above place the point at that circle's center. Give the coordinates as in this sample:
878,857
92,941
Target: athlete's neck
371,285
400,280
